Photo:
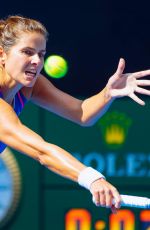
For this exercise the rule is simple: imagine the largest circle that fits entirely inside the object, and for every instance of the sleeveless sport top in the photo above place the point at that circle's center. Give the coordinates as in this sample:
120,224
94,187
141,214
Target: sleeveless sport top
19,102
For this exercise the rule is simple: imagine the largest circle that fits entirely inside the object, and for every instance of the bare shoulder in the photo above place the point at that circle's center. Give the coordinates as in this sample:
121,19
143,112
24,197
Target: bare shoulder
7,113
5,106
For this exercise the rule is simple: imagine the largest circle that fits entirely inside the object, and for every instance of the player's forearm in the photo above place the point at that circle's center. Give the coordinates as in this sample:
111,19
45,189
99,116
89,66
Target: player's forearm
61,162
51,156
95,106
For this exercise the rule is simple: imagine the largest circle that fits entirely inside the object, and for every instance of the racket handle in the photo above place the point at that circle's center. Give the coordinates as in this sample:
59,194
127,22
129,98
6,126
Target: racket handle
135,201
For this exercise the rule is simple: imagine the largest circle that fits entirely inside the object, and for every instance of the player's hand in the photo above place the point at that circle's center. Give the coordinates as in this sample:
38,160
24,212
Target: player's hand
104,193
128,84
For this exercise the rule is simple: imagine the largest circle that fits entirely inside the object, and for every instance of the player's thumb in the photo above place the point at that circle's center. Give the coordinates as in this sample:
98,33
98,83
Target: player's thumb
121,66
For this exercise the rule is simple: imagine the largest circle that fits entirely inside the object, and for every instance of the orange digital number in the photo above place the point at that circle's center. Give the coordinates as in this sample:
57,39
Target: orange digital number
124,219
145,219
78,219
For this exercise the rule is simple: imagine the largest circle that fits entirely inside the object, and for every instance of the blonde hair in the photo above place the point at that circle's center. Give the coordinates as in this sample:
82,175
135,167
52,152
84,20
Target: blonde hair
12,27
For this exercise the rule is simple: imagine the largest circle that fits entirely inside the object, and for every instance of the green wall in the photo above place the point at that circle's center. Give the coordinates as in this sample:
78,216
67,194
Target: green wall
46,198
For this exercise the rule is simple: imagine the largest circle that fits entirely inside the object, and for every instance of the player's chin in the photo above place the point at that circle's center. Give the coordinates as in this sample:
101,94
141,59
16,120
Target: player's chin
29,83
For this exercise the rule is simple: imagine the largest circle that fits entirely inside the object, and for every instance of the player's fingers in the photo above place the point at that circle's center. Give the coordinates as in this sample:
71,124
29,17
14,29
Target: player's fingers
142,91
143,82
137,99
96,198
141,73
109,198
116,198
121,67
102,198
114,209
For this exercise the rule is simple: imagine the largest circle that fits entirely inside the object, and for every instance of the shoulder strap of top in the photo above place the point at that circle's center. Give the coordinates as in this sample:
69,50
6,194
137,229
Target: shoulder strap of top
1,95
22,98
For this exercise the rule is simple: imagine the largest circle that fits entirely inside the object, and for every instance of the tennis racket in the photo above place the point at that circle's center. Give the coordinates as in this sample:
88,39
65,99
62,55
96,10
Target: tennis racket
134,201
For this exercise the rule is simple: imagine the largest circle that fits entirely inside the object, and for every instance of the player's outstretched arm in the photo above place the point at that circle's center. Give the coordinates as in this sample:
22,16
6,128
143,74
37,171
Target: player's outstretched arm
119,85
87,112
16,135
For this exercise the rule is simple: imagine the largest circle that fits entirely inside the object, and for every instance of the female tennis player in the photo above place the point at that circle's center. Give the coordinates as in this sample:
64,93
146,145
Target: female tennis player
22,50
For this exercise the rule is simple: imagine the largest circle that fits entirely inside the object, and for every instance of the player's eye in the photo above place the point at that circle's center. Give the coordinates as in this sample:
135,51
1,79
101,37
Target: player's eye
41,55
27,52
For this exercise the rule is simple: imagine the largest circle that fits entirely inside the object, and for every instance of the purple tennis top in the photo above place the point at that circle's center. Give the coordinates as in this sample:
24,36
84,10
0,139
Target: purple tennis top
19,102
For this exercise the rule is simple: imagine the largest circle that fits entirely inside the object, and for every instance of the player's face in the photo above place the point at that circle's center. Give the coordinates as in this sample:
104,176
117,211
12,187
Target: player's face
24,61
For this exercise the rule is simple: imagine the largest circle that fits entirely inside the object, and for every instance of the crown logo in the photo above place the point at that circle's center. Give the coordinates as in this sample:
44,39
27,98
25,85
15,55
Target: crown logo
114,127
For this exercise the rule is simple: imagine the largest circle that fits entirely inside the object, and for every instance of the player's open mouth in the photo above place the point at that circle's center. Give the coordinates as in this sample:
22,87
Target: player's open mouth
30,73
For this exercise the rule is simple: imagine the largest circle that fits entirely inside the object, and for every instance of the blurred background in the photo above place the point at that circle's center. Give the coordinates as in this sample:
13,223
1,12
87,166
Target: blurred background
91,36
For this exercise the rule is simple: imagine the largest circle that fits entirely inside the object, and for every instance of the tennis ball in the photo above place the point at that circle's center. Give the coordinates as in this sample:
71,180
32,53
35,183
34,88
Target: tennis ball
55,66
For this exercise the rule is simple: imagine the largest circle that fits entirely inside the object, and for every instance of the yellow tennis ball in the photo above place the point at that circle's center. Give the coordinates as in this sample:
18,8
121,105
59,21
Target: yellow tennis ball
56,66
